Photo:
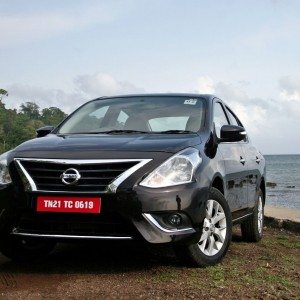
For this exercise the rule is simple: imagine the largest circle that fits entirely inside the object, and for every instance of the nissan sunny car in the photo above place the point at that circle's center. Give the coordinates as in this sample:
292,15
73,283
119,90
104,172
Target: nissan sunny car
164,168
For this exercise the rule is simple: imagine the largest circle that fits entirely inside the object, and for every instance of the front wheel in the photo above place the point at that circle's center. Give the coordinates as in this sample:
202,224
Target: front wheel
216,234
252,228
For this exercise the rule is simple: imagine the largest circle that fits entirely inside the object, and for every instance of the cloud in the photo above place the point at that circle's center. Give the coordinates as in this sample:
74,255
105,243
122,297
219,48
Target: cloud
20,28
101,84
237,99
270,34
205,85
15,29
290,87
86,87
271,123
20,93
290,95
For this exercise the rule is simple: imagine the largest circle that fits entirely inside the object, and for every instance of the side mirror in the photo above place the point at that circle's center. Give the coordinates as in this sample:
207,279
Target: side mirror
232,133
43,131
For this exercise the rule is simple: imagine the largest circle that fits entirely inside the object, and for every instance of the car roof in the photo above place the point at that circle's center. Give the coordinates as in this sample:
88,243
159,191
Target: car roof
206,96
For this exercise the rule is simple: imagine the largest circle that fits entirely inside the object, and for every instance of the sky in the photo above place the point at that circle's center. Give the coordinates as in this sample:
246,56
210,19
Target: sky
63,53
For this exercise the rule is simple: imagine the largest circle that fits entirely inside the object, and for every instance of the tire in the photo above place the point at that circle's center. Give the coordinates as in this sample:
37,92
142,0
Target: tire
252,228
25,249
216,234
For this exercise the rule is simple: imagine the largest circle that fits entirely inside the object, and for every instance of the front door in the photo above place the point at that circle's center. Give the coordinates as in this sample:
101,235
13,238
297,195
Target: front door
252,160
234,160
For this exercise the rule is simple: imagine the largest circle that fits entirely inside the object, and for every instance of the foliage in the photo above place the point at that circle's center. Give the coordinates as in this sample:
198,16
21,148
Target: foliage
19,126
3,93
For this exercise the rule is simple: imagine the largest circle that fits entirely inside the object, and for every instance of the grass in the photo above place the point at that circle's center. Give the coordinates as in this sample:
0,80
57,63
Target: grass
268,269
286,242
217,273
166,275
289,260
277,279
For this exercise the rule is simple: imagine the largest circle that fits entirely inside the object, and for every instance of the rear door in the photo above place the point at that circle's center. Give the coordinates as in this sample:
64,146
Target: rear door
234,161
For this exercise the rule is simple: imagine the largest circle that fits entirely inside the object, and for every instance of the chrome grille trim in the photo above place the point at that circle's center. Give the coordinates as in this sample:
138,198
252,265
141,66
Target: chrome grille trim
67,236
167,231
31,186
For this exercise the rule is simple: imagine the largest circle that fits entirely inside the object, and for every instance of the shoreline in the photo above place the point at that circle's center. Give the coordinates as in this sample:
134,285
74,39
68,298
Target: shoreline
283,213
281,217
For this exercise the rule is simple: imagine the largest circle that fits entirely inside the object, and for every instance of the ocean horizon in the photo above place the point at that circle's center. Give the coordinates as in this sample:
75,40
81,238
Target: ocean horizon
283,176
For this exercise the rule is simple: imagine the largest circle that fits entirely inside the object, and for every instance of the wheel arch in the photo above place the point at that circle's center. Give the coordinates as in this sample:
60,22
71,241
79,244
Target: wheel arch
218,183
263,188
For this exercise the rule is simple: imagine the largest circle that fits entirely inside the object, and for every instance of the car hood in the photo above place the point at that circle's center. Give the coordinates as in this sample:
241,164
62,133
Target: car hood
171,143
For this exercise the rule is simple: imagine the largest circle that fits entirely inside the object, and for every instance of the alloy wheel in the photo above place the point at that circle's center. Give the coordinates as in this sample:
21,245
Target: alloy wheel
214,229
260,215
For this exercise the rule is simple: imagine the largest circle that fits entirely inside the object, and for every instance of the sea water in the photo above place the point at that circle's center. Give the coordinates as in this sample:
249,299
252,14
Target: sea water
284,171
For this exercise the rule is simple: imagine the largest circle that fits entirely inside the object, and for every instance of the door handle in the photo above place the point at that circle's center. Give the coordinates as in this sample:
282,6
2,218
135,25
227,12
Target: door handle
242,160
257,160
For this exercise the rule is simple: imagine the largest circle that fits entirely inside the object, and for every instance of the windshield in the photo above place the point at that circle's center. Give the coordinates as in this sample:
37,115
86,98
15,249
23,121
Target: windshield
147,114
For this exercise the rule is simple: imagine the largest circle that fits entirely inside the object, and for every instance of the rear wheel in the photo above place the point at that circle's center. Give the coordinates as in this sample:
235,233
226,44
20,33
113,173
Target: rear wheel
252,228
25,249
216,234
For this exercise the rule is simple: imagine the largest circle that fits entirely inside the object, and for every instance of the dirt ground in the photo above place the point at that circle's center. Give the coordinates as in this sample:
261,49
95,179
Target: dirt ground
130,270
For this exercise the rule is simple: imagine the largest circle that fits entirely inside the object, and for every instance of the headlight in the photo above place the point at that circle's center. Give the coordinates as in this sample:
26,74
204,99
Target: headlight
4,173
178,169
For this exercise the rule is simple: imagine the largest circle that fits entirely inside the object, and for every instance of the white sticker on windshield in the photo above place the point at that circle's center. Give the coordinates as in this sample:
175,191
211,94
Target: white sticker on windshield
191,101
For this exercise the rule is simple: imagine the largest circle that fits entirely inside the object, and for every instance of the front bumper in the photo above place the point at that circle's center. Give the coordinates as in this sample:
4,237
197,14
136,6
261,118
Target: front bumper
127,214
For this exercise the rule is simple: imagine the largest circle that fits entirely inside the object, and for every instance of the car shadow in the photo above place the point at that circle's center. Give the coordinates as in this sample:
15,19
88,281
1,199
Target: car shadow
237,238
237,234
100,258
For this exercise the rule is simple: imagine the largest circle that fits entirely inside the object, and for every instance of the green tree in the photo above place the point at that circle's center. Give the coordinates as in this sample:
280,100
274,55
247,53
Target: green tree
2,94
18,127
31,110
52,116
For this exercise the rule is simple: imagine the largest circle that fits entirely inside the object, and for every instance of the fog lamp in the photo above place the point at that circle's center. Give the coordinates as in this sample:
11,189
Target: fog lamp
175,219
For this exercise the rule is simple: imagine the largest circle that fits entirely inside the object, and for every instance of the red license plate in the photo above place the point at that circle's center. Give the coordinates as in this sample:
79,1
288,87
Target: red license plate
85,205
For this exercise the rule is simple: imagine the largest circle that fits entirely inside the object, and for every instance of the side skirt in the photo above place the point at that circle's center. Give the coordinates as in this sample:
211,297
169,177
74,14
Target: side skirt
241,215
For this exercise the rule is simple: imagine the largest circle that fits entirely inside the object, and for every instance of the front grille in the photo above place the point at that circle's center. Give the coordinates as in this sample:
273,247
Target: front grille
94,177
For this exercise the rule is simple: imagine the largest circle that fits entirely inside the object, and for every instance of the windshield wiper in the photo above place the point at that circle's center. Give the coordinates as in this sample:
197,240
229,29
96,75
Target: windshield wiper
124,131
175,131
110,132
121,131
138,131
